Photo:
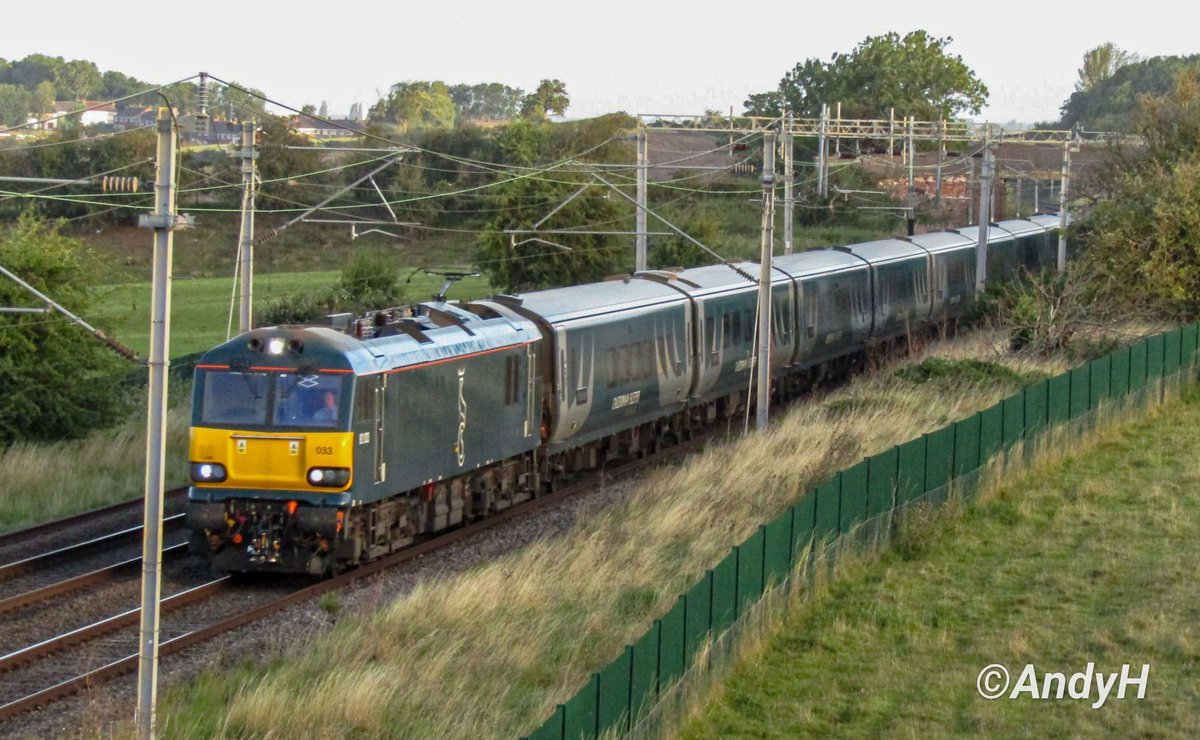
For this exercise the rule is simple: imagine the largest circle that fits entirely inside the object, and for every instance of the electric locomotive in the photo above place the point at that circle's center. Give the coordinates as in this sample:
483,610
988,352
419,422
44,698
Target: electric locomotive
303,436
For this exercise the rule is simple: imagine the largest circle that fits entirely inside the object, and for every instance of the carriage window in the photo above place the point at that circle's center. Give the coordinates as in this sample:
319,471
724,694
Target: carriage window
646,355
235,398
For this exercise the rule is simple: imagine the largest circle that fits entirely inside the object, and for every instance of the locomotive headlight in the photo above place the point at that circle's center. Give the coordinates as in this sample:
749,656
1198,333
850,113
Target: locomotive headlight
275,346
329,477
208,472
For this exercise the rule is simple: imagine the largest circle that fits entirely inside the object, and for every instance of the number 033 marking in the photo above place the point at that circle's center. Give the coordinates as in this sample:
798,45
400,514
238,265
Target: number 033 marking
323,450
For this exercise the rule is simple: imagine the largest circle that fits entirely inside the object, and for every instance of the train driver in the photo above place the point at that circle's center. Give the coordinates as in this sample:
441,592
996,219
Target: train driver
329,408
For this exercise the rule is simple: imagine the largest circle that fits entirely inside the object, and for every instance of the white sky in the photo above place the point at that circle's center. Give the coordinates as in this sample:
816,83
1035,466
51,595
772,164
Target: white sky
640,56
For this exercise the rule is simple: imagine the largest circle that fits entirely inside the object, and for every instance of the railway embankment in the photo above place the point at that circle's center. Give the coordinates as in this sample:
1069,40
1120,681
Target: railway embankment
1082,566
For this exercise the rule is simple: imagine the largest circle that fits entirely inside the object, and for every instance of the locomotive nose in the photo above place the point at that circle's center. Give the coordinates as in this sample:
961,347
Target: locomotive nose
272,461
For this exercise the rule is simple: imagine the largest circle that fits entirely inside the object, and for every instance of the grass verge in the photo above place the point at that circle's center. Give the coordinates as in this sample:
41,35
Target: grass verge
491,652
1087,559
41,482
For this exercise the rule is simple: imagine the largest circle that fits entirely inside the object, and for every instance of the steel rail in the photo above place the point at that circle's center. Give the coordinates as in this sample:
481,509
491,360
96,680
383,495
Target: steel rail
90,632
100,575
37,530
33,562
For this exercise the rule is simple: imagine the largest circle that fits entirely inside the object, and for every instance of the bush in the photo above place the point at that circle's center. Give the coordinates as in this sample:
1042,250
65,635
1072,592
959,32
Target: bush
369,281
57,381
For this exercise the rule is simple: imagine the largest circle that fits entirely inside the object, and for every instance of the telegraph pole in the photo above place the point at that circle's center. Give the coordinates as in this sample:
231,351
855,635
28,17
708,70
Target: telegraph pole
1062,207
246,235
985,203
763,363
822,153
911,200
164,221
640,228
941,153
789,203
970,190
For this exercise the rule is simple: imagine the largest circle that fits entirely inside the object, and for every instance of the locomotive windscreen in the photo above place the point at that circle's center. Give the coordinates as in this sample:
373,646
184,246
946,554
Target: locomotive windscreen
272,400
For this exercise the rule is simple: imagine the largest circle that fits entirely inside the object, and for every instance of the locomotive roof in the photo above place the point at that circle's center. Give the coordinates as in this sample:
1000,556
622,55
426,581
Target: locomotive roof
817,262
1021,227
325,348
581,301
941,241
447,342
887,250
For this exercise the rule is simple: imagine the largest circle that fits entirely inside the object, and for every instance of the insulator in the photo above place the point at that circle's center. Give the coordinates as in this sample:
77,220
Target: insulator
202,95
111,184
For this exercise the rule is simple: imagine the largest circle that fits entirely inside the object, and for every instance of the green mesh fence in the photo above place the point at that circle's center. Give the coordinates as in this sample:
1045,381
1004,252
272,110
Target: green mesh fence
624,692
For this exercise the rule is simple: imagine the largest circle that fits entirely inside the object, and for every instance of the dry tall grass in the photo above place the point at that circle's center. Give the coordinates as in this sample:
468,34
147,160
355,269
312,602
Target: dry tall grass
40,482
490,653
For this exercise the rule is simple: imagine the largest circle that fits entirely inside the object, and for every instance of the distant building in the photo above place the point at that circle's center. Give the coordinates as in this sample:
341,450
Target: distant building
318,129
135,116
97,115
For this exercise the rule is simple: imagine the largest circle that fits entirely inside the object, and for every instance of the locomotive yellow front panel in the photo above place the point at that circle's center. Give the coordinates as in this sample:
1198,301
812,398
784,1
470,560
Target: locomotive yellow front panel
271,460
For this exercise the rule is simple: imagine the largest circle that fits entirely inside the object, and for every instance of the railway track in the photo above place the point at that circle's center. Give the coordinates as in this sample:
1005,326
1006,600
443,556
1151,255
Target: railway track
84,519
45,660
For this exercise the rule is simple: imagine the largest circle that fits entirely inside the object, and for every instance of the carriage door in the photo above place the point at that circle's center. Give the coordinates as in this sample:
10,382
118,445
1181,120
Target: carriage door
369,416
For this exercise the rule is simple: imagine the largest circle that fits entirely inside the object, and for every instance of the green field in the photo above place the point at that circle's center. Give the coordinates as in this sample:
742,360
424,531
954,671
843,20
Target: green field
1090,559
200,307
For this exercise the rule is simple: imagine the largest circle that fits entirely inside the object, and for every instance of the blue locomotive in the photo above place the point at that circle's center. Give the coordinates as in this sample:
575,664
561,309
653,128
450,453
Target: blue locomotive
318,447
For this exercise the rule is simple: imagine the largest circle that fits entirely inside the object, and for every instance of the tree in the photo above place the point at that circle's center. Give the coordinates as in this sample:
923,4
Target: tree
549,97
1141,230
31,70
912,74
42,99
14,105
523,202
243,101
56,380
118,85
490,101
1112,103
324,111
675,251
308,109
78,80
413,105
1101,63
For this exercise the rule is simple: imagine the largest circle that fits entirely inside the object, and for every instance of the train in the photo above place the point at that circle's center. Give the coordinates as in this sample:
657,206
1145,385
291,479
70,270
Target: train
314,448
